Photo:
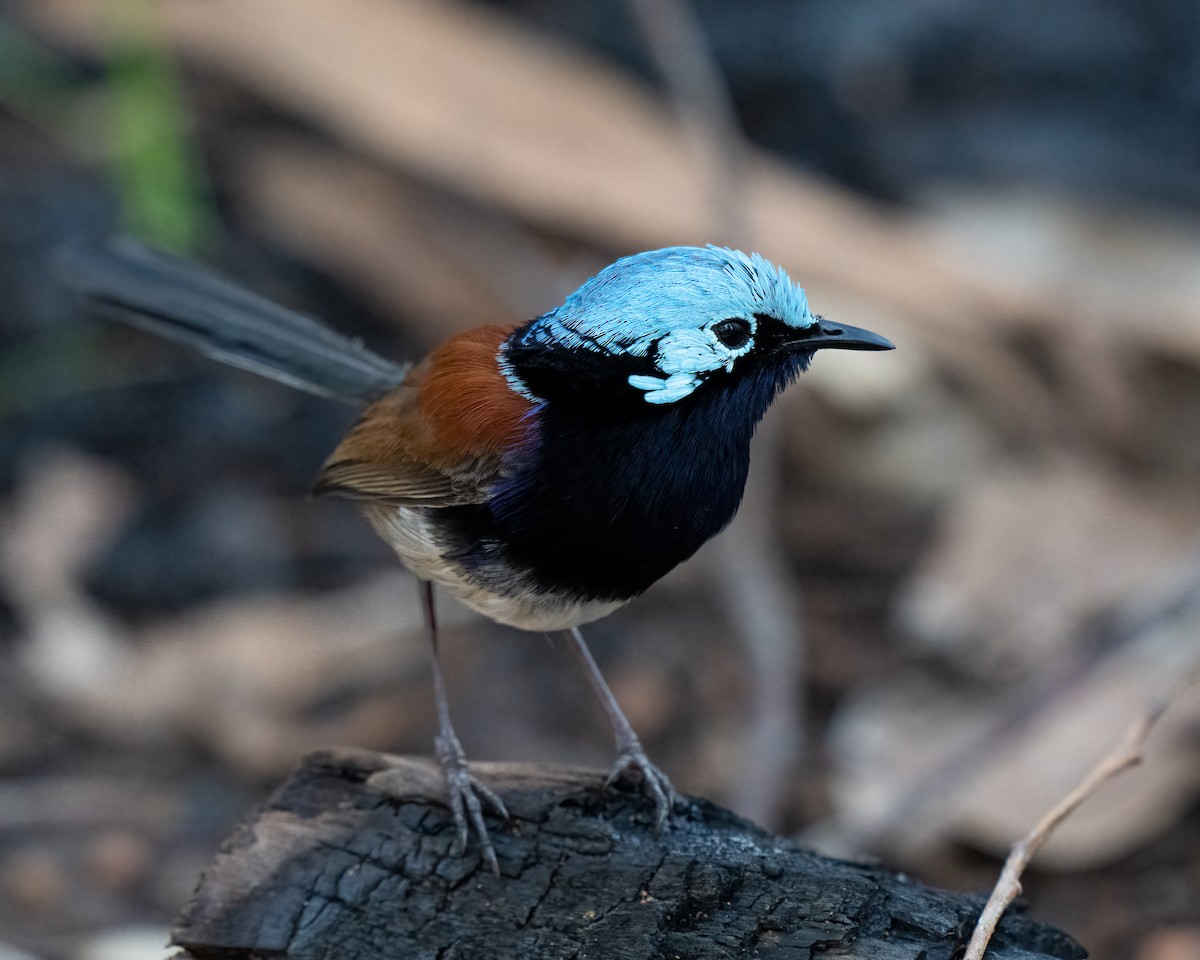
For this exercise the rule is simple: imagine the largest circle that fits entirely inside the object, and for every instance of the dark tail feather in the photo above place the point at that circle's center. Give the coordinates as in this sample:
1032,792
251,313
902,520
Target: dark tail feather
177,299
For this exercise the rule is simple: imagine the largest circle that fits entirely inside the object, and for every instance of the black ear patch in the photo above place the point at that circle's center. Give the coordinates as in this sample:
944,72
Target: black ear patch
581,375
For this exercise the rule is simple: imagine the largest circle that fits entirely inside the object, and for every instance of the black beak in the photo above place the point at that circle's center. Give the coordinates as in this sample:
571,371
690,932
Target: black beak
842,336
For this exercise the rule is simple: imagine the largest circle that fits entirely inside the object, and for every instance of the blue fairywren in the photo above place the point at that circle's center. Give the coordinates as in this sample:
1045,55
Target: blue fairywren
545,474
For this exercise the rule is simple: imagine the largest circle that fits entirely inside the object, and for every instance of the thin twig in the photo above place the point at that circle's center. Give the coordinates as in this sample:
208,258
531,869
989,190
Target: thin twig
768,611
761,600
675,38
1124,755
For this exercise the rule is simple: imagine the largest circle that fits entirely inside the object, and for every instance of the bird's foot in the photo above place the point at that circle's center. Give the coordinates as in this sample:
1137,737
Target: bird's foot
632,757
467,797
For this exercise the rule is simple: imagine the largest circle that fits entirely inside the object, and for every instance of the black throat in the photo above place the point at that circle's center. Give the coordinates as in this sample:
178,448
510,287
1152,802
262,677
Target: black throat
599,508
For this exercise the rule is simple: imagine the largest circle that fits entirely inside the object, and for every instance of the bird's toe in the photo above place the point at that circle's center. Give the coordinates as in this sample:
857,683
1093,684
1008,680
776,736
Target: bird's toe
467,797
632,761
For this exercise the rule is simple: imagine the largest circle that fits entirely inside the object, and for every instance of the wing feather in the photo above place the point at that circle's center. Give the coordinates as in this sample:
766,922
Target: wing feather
438,439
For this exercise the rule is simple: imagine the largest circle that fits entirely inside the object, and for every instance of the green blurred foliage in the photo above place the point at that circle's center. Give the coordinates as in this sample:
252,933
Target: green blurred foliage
162,187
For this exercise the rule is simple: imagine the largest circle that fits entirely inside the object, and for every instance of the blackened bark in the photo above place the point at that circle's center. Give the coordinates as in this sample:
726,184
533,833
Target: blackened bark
353,859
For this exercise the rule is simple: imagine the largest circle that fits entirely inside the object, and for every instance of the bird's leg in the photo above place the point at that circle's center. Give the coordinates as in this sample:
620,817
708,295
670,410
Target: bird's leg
630,753
464,792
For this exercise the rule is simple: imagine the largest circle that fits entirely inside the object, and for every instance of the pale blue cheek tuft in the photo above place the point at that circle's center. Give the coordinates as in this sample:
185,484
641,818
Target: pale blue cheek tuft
666,389
647,383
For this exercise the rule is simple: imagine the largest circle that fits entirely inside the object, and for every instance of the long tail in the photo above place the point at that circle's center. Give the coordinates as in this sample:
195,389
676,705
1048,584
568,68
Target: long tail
177,299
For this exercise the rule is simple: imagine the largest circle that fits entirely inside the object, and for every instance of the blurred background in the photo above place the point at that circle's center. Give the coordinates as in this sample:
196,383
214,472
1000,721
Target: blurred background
962,568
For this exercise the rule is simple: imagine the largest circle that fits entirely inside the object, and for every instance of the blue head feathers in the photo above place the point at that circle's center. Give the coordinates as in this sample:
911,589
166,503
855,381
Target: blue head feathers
671,309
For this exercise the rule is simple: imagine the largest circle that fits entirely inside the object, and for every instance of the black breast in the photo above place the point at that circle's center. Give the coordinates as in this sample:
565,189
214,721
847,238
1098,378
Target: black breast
601,508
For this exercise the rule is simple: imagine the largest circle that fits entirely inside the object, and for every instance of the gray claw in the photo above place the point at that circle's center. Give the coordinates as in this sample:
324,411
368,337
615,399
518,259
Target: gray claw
654,781
467,796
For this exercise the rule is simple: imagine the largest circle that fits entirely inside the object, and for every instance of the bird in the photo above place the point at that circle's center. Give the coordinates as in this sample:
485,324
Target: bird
544,473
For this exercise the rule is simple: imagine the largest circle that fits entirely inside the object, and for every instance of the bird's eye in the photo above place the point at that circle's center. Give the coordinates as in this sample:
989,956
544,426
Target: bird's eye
733,332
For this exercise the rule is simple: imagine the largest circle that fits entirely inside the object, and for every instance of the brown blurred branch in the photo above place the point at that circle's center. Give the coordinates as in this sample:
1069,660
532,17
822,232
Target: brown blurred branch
506,117
464,97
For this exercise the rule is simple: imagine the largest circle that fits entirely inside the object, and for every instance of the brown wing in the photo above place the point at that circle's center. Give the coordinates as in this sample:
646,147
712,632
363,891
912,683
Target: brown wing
437,439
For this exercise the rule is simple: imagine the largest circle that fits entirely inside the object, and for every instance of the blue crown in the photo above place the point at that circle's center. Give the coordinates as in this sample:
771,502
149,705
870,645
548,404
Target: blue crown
666,303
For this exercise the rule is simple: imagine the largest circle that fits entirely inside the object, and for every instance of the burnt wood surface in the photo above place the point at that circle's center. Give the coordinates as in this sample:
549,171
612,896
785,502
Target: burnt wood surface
353,858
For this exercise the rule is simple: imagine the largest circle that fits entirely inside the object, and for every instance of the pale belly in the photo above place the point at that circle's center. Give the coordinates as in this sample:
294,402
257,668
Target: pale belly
408,531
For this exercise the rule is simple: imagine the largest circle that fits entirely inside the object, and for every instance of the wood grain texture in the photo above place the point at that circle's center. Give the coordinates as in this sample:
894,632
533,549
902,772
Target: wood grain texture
352,858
